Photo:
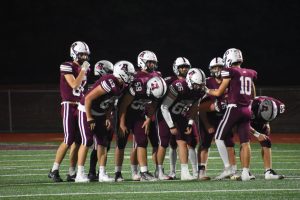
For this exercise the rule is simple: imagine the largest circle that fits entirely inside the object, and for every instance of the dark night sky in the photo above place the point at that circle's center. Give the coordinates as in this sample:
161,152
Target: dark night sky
38,34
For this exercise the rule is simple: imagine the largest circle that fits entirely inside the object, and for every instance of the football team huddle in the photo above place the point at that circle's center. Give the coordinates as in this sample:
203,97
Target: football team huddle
184,112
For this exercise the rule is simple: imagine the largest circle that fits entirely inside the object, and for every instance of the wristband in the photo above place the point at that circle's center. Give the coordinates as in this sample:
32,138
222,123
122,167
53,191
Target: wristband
191,122
256,134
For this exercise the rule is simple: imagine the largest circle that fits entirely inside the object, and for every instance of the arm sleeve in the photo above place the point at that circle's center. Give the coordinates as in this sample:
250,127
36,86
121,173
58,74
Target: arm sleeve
166,104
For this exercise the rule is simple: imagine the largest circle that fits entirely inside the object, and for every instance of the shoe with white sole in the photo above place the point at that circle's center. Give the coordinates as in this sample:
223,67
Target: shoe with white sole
272,175
81,178
172,175
147,176
103,177
186,176
164,177
202,175
225,174
136,177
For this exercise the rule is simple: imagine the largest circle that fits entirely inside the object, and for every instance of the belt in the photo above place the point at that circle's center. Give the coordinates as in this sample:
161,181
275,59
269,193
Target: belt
69,102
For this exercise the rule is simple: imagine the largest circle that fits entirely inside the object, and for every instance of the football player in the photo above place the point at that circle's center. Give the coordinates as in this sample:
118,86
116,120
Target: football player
181,66
136,111
241,91
181,95
147,65
101,68
103,93
72,82
264,110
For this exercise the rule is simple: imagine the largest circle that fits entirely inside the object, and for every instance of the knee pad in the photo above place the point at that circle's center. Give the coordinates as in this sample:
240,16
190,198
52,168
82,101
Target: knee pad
266,143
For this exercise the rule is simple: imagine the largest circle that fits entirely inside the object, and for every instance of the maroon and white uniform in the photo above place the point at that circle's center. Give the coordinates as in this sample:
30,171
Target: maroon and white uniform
172,140
70,99
178,111
258,123
113,89
239,98
137,110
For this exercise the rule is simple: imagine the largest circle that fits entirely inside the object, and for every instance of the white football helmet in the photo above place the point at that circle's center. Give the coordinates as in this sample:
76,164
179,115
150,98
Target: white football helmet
180,61
103,67
195,78
77,48
217,61
232,56
156,87
268,110
124,70
144,57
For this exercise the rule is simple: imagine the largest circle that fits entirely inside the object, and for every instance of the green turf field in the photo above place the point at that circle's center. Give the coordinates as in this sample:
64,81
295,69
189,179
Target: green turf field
23,175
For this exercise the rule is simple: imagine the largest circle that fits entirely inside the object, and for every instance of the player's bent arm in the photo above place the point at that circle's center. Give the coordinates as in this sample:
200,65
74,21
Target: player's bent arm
75,82
259,136
94,94
166,104
218,92
126,101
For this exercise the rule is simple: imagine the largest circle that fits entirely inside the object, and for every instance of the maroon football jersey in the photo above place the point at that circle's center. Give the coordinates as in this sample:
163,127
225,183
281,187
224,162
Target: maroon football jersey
185,97
240,86
138,89
66,91
113,88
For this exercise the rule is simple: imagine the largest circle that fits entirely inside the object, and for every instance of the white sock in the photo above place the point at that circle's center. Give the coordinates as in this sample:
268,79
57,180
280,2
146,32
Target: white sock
160,169
55,166
234,168
144,169
72,171
245,170
223,152
184,168
101,170
80,169
193,159
173,158
118,168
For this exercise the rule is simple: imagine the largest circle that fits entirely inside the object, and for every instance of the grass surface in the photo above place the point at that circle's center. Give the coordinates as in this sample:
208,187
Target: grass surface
23,175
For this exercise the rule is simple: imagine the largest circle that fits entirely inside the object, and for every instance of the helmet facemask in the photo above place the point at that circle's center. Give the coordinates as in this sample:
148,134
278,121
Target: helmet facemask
215,71
81,57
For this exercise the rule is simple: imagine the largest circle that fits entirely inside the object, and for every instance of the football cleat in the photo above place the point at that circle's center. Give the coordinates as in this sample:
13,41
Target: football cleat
118,177
226,173
81,178
164,177
55,176
172,175
71,178
105,178
202,176
272,175
147,176
136,177
186,176
93,177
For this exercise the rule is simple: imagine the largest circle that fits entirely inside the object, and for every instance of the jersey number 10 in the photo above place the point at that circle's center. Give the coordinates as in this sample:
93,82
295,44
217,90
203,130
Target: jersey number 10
246,84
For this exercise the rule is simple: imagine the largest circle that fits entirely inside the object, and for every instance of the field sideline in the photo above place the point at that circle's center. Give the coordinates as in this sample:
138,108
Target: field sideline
23,175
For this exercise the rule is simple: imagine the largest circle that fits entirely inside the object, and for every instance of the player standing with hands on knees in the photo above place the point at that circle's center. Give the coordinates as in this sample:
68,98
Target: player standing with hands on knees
72,81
